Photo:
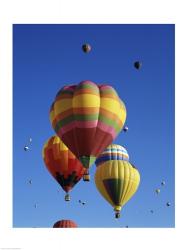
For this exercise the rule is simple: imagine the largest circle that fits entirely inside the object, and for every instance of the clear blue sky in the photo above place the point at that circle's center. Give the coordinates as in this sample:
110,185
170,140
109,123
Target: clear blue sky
46,57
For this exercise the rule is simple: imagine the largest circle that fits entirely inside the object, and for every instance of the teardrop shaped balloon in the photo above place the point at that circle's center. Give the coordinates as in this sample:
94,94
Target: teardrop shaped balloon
87,117
137,64
86,47
116,179
65,224
62,164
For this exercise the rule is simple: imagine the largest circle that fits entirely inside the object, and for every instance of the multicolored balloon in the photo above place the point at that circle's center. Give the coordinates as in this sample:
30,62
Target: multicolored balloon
112,152
116,179
62,164
65,224
87,117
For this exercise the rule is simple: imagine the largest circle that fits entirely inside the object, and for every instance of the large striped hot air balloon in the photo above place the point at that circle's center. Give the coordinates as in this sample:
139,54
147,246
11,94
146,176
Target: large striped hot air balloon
62,164
87,117
65,224
116,179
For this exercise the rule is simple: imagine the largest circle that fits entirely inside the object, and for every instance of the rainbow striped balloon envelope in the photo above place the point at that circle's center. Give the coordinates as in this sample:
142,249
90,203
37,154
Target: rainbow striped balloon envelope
112,152
87,117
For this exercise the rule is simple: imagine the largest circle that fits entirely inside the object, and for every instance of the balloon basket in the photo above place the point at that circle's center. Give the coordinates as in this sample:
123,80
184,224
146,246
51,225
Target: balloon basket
86,177
117,215
67,197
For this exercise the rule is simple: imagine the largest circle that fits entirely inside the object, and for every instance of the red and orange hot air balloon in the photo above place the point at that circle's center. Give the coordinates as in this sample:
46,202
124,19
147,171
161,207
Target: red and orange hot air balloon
62,164
65,224
87,117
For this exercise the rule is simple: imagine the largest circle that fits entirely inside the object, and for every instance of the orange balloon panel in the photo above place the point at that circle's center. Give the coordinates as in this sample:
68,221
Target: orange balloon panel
62,163
64,224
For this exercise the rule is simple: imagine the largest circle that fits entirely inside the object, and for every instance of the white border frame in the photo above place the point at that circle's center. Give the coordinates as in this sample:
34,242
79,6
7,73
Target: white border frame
105,12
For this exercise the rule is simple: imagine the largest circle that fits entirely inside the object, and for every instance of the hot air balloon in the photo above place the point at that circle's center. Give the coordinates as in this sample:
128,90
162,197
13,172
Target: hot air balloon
30,182
87,117
26,148
62,164
163,183
86,48
115,178
157,190
64,224
125,129
82,202
168,204
137,65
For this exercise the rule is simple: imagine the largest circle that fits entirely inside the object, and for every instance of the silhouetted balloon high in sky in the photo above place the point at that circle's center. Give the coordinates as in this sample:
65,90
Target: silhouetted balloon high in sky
125,129
137,65
86,48
26,148
87,117
163,183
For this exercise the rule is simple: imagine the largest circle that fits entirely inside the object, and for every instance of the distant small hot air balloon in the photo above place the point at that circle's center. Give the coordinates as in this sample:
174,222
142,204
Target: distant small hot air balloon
83,203
137,65
163,183
125,129
157,190
86,48
30,181
168,204
65,224
26,148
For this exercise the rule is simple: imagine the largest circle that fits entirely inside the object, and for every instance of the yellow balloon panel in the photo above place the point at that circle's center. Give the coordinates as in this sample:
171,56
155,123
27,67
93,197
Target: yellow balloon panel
117,181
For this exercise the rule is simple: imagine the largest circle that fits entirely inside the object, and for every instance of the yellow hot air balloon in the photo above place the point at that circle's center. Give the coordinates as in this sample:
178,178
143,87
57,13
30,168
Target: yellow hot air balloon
116,179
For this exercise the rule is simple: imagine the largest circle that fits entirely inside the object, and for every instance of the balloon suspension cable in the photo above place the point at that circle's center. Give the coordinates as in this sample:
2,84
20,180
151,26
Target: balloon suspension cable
67,197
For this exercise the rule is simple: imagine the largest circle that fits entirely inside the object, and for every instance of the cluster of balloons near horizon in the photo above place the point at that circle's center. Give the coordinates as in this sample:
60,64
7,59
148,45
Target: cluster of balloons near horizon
87,118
